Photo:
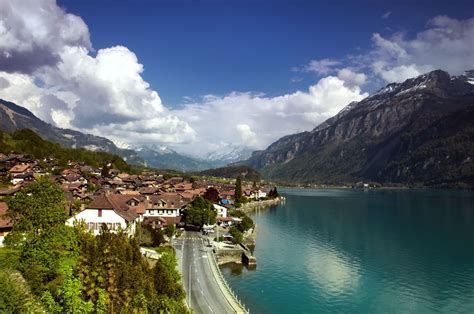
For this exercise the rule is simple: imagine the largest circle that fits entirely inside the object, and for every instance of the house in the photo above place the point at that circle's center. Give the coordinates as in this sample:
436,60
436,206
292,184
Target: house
163,210
174,180
5,224
149,191
164,205
261,193
116,211
227,221
18,169
224,221
182,187
227,194
22,178
221,210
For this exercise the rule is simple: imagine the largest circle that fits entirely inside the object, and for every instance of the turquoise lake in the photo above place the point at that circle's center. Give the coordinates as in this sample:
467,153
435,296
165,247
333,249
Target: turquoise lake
357,251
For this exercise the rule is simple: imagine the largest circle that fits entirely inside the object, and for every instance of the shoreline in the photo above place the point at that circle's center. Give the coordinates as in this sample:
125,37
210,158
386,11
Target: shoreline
248,207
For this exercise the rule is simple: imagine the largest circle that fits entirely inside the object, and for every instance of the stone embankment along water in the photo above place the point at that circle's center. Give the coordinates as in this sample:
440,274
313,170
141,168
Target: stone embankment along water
228,293
258,204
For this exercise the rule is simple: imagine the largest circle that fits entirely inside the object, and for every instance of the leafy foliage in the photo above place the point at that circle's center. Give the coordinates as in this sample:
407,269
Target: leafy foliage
246,222
237,235
71,271
273,193
212,195
199,212
38,207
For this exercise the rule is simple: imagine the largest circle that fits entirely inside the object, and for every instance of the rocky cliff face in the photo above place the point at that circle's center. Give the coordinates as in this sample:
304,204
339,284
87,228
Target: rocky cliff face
14,117
418,131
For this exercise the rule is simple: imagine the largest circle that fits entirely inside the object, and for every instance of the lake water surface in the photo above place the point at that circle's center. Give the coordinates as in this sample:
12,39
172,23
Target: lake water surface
356,251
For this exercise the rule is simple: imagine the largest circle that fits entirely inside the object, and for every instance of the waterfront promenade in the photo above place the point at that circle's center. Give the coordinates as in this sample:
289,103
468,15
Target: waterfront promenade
206,289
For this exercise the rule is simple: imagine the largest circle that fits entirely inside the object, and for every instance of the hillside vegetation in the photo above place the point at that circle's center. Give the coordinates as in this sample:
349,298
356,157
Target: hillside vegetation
231,172
28,142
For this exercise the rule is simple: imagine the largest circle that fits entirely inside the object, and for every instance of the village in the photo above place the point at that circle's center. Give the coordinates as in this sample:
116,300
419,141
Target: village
122,201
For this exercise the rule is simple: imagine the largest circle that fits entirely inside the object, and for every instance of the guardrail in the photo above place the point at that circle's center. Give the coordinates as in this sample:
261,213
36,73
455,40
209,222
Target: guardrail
226,285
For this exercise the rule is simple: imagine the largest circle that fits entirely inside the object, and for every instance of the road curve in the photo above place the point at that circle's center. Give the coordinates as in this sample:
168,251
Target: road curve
203,294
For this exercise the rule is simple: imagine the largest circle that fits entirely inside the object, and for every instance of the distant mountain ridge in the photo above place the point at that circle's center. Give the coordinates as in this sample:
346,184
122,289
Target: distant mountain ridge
419,131
14,117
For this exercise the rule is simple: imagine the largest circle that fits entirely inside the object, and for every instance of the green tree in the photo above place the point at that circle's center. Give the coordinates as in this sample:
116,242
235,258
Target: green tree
238,190
245,224
200,212
236,234
38,207
170,231
105,171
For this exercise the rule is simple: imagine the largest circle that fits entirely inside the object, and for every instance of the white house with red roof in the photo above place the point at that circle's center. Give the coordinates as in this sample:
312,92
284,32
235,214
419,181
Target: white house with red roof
118,212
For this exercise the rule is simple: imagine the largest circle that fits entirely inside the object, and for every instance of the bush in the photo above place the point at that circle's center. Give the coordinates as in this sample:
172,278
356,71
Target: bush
237,235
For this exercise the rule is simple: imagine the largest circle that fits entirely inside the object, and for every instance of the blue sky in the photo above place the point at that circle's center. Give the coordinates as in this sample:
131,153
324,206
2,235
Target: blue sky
192,48
211,76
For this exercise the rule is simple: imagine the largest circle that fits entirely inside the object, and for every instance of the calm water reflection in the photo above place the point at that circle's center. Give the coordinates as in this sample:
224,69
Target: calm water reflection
335,250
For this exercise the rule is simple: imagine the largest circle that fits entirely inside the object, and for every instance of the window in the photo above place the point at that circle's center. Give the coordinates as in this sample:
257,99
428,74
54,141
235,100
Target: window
99,213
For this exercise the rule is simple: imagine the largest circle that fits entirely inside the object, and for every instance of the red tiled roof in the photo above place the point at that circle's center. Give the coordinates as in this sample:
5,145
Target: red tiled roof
116,202
224,218
172,200
19,168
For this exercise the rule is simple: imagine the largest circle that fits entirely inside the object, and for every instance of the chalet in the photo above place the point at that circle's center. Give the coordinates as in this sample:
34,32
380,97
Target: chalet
164,205
15,159
174,180
149,191
227,221
22,178
163,210
19,169
116,211
182,187
227,194
5,224
188,196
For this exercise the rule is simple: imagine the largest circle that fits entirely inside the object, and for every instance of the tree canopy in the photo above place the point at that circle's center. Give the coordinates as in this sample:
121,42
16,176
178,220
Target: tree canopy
199,212
68,270
38,207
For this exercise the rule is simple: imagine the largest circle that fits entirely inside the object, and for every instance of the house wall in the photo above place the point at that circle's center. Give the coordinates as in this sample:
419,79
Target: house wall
94,222
221,210
16,181
161,212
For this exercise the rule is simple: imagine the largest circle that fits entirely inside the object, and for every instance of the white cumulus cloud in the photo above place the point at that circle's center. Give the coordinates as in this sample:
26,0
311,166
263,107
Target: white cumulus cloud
47,65
259,120
446,44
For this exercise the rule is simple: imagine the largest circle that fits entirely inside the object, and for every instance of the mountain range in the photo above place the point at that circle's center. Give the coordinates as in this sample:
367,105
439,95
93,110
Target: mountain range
14,117
420,131
163,157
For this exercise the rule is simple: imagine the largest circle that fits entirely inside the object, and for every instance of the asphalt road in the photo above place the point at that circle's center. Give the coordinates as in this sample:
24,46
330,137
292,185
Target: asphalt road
202,291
